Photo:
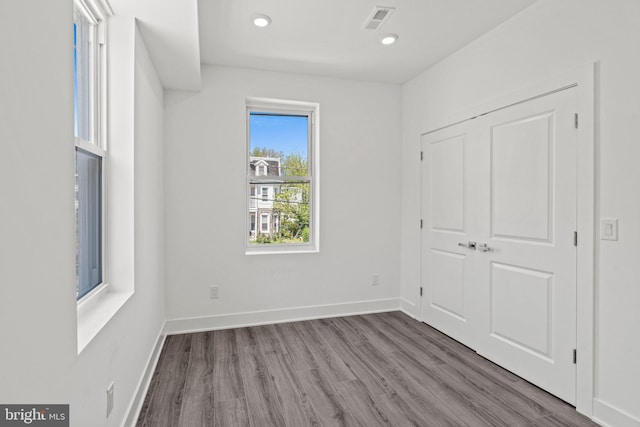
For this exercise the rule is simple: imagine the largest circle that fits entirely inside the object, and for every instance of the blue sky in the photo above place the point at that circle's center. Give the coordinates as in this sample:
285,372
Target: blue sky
282,133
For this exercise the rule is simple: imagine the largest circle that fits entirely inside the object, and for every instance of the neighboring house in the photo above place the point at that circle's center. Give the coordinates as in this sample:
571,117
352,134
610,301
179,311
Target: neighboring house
262,219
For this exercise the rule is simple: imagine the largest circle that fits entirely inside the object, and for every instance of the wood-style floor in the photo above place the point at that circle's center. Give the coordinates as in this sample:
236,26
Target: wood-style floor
370,370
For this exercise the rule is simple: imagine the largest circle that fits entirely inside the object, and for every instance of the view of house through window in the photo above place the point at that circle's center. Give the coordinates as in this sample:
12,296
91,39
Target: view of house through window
279,177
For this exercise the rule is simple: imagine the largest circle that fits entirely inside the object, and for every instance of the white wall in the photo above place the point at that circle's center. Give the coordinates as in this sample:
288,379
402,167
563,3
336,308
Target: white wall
205,149
37,246
548,38
38,357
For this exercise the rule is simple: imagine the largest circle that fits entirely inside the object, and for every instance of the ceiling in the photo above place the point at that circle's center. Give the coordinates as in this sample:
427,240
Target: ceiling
320,37
325,36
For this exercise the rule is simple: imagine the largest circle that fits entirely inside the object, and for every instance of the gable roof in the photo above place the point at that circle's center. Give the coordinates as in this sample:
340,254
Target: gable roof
272,163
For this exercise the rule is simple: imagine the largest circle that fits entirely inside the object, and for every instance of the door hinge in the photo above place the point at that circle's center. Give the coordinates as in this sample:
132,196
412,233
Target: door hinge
421,155
575,238
421,223
575,356
420,290
575,120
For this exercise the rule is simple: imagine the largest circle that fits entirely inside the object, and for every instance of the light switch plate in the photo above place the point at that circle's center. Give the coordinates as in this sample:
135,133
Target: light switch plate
609,229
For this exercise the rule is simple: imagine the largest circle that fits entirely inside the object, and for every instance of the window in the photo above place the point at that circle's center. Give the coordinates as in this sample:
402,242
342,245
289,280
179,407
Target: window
264,223
252,197
90,136
253,223
282,160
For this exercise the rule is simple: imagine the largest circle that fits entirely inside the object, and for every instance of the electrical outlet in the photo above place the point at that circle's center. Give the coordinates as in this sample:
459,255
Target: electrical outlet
375,280
213,292
109,399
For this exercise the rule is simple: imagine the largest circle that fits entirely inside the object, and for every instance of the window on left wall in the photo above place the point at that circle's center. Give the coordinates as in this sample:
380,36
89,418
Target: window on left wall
89,54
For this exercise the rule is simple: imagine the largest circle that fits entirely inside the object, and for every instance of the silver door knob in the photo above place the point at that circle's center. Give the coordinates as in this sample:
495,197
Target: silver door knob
470,245
482,247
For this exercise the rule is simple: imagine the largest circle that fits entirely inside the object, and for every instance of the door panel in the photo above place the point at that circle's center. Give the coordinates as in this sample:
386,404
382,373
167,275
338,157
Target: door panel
446,164
447,283
521,308
446,213
506,180
520,178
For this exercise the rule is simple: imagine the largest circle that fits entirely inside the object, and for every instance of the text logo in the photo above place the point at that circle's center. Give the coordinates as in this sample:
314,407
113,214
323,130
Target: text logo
34,415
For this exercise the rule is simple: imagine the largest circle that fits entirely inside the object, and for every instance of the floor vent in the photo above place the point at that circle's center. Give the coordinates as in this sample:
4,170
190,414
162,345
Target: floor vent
377,17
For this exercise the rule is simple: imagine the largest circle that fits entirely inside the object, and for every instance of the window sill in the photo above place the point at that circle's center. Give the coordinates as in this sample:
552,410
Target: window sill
279,250
94,316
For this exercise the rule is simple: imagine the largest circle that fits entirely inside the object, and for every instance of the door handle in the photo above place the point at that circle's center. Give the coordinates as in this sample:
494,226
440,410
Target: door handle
482,247
470,245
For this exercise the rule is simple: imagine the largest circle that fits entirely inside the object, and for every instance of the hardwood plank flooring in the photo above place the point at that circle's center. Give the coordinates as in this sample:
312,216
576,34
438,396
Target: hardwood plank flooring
372,370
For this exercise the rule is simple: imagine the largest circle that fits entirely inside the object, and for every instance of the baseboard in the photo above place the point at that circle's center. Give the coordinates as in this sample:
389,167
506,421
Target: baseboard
409,308
145,381
610,416
265,317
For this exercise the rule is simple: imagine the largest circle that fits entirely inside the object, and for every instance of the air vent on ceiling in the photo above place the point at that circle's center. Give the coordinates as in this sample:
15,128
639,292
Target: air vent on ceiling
379,15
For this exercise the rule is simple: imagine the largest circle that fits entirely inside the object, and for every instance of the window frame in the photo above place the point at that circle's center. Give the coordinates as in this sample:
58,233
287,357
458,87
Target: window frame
286,107
97,121
264,223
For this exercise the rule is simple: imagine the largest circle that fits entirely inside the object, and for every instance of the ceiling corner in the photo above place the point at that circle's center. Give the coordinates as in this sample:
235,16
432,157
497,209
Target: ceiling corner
171,35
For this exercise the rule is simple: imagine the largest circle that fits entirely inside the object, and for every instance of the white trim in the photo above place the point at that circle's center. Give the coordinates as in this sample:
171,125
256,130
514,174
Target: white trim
283,105
90,148
267,317
282,249
608,415
586,226
133,411
410,309
94,295
94,316
89,12
100,8
584,78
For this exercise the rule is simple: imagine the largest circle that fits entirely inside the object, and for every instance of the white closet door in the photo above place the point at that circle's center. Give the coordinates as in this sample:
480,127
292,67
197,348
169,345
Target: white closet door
527,218
449,220
507,182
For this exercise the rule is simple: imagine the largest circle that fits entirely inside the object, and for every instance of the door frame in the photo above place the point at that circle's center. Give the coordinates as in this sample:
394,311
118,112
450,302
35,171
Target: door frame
583,78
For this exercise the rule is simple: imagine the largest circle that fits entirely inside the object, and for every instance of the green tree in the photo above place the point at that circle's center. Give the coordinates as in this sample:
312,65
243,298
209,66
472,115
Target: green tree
266,152
294,164
292,201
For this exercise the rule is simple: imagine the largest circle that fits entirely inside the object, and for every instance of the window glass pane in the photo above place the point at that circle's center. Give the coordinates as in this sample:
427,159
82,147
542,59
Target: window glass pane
278,150
291,207
82,42
88,221
278,144
285,218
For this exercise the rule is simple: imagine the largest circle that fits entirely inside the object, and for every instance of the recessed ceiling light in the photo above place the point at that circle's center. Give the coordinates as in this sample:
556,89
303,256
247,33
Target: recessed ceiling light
261,21
389,39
